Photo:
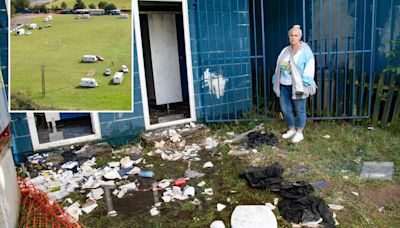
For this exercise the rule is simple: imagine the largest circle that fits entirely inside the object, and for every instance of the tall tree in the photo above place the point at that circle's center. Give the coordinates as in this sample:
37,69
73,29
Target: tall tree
92,6
20,5
102,4
79,5
64,5
110,6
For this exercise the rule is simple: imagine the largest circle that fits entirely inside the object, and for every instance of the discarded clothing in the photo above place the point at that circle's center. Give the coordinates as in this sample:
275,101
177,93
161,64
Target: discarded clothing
256,139
306,209
295,190
297,205
264,177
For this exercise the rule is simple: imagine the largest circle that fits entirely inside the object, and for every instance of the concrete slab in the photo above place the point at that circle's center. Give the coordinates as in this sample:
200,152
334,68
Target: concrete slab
377,171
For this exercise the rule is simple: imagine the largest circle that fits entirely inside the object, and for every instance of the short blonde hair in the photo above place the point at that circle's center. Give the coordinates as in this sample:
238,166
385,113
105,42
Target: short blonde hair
294,28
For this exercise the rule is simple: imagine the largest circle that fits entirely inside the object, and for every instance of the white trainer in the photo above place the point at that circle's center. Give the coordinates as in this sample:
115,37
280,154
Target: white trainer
297,137
289,134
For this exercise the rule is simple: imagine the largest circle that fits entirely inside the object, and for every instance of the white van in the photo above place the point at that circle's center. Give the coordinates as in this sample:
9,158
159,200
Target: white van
88,82
89,59
32,26
20,32
118,77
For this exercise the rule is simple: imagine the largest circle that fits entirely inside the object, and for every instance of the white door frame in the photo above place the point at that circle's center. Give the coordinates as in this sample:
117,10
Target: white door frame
142,76
40,146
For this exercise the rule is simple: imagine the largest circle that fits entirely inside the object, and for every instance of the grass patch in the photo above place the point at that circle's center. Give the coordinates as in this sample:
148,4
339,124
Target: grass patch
60,48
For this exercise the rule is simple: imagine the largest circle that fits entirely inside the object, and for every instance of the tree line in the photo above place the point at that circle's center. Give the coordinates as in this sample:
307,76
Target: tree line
22,5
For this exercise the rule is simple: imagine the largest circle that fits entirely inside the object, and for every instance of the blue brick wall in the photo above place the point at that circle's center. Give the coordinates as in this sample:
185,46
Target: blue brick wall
4,43
220,42
121,128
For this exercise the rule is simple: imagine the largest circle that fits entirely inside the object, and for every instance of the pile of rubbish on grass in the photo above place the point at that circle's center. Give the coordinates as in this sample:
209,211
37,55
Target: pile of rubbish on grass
100,172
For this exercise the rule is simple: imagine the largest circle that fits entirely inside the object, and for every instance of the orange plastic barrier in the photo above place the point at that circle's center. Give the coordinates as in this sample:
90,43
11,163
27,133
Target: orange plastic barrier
37,210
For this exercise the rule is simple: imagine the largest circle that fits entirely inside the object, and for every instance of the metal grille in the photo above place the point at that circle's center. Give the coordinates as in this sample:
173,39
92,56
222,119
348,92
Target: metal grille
341,34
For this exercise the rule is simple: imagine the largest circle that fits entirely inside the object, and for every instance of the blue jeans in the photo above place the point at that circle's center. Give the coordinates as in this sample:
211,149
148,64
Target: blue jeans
287,105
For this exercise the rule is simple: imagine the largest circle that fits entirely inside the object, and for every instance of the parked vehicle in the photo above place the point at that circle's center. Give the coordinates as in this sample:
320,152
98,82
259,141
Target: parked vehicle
107,72
20,32
88,82
118,77
125,69
89,59
32,26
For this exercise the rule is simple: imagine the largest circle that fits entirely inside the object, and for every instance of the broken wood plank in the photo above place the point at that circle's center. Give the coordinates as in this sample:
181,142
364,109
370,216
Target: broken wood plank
377,103
388,102
396,112
243,135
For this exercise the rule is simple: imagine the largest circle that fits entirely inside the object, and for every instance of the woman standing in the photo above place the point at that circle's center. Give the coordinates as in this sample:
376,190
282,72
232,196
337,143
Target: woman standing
294,82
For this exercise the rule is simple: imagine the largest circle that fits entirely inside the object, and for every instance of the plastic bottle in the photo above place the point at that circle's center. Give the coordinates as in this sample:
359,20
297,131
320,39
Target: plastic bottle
146,174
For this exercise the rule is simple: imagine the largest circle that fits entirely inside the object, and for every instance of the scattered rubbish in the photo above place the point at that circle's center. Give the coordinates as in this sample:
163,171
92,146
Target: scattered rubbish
196,202
335,207
270,206
231,133
166,198
95,194
179,182
70,165
381,209
134,171
346,177
210,143
164,183
319,185
74,213
154,211
146,174
193,174
256,139
89,206
217,224
355,193
377,170
239,152
220,207
160,144
126,162
326,136
158,204
112,175
68,200
208,191
371,128
208,165
123,172
201,184
113,164
243,135
189,191
253,216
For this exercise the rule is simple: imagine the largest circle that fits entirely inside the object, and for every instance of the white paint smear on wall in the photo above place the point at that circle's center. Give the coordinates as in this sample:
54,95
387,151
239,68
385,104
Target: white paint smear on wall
215,83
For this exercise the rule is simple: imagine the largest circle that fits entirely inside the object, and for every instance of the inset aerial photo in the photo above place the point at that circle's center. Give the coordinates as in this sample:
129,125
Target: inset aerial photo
71,55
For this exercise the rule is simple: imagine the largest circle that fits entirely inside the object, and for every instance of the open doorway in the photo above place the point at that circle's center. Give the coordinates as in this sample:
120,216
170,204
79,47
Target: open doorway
162,28
51,129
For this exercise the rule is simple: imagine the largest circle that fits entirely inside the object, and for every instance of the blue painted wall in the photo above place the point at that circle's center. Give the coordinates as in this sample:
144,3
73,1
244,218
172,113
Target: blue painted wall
220,42
4,42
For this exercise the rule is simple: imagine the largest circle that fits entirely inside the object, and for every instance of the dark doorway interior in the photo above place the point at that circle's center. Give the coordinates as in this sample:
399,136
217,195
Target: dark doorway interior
69,125
178,108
